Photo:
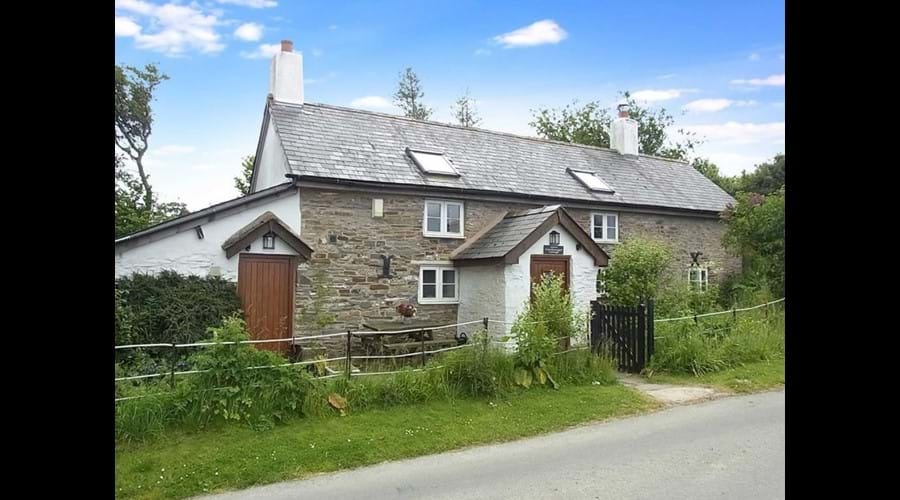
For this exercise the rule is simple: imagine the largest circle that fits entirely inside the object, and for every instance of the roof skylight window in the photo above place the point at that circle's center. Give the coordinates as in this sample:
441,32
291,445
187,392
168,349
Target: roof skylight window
432,163
592,181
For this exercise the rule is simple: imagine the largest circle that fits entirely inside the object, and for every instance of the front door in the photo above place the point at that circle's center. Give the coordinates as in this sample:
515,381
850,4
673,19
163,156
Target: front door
266,288
544,264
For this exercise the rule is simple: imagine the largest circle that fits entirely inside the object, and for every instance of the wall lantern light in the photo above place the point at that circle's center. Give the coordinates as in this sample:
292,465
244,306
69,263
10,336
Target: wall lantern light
554,238
269,241
199,230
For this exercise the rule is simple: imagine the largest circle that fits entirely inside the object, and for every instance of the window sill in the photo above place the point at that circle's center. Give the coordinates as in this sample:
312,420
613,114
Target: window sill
607,242
444,235
429,302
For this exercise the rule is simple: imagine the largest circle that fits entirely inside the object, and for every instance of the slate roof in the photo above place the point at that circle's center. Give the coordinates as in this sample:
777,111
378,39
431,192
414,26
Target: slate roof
325,141
503,237
515,232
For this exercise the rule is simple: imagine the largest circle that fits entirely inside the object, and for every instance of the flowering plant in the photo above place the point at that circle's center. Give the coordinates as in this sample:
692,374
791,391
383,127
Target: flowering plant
406,310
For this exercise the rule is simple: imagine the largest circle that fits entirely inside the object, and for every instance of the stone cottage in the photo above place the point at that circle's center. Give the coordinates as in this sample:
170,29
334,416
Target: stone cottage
352,212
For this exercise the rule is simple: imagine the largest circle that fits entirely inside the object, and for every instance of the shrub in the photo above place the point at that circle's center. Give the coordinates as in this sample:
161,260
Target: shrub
679,299
170,307
229,389
583,367
637,271
547,318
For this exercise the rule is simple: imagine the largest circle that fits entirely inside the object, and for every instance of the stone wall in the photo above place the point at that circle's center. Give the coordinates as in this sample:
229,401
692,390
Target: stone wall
348,244
684,235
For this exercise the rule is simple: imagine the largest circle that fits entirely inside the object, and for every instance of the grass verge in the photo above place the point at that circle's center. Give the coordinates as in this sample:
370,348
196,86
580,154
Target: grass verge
234,457
750,377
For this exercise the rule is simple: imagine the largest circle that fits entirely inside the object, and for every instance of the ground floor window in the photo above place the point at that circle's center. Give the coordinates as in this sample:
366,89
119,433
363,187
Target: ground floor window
438,285
698,276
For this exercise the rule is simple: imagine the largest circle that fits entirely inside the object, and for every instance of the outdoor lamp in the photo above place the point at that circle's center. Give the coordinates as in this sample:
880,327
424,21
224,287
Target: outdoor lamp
554,238
269,241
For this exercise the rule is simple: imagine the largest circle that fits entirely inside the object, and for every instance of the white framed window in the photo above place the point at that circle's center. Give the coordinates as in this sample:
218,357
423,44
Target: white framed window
438,285
605,227
698,277
443,219
601,283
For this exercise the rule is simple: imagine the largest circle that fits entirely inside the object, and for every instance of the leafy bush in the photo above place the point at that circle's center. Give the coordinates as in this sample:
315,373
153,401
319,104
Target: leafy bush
637,271
755,231
679,299
547,318
583,367
170,307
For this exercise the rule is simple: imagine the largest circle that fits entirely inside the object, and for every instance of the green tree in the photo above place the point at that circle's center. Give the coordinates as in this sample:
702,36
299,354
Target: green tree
132,212
409,96
589,124
464,111
711,171
242,181
637,271
135,89
767,178
755,232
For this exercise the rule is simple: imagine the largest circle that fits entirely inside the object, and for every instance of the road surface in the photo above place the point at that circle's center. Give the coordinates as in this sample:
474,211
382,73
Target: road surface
726,448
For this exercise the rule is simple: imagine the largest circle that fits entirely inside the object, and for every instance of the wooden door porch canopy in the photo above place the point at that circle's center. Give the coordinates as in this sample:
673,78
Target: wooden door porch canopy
265,223
510,235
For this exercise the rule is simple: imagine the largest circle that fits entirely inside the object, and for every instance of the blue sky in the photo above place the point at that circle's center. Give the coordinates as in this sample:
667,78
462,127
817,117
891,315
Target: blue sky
718,67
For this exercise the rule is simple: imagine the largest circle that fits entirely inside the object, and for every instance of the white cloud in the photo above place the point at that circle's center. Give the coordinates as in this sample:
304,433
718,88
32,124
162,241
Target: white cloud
733,163
650,95
126,27
173,149
317,52
249,32
202,167
263,51
754,57
313,81
333,27
770,81
538,33
667,76
176,28
714,105
482,52
370,101
256,4
740,133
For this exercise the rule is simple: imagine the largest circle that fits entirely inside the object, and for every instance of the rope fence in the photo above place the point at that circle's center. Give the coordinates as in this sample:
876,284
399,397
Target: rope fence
348,358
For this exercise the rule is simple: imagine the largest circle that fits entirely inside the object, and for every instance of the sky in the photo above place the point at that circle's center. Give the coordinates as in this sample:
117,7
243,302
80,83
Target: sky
717,67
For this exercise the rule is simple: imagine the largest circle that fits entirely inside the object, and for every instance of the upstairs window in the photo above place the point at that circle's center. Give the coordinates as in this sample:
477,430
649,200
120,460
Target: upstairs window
432,162
592,181
443,219
605,227
698,277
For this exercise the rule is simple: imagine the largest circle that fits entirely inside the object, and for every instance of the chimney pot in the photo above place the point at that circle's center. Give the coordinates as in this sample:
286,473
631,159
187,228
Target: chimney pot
623,110
287,46
286,75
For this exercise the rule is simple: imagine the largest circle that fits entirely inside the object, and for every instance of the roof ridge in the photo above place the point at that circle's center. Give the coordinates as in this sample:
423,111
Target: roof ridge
473,129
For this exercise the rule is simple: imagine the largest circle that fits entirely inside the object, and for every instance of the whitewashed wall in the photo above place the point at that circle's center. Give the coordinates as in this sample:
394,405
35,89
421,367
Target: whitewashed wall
583,279
481,294
184,253
272,162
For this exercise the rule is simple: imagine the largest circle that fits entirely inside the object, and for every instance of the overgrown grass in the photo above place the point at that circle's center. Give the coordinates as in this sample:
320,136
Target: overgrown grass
718,343
181,464
749,377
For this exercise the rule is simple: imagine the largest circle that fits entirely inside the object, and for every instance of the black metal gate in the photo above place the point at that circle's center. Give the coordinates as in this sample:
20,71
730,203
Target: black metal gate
623,332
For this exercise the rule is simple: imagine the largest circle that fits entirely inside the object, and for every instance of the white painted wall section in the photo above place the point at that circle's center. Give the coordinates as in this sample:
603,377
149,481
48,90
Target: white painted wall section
185,253
273,163
481,294
583,279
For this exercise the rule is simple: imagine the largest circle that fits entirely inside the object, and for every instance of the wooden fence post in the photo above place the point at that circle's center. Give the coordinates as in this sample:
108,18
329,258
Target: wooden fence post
349,337
642,331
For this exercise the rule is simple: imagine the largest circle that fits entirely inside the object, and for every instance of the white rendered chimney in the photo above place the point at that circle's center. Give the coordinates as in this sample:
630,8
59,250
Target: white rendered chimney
623,133
286,75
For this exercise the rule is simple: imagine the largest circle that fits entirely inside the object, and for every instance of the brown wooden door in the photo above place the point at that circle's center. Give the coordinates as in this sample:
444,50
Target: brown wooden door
266,288
543,264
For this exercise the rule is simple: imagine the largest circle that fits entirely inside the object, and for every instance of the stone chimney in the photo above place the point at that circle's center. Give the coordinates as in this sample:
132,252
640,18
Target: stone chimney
286,75
623,133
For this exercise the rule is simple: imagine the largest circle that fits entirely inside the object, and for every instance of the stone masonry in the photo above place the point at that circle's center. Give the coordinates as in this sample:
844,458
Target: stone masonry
348,244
